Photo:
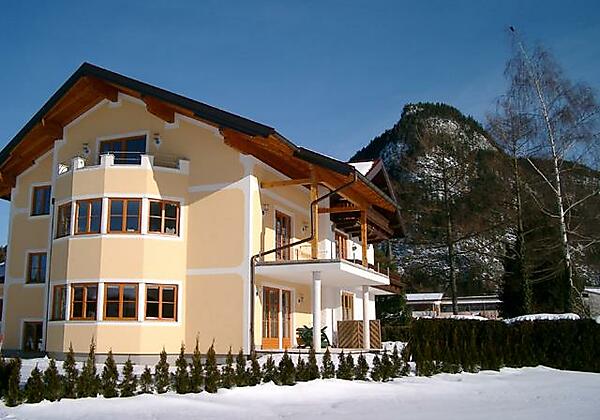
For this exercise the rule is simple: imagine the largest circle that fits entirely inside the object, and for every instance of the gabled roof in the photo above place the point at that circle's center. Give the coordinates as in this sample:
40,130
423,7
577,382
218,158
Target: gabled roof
90,84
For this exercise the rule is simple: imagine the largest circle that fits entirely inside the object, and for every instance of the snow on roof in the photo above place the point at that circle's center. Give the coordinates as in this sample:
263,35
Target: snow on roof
415,297
542,317
363,167
594,290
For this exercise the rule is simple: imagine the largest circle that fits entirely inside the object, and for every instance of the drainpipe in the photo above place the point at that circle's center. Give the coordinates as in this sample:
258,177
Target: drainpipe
261,254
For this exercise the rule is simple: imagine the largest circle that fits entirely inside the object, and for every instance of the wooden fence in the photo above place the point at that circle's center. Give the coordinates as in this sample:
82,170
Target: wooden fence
350,334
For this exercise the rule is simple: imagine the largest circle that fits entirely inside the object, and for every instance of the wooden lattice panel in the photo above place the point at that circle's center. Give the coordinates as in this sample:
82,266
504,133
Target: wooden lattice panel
375,332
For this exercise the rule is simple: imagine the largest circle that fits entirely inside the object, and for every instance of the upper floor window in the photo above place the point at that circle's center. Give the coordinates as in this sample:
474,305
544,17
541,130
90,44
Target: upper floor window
164,217
36,267
89,215
283,224
341,242
120,301
59,303
40,203
84,301
124,215
63,220
127,151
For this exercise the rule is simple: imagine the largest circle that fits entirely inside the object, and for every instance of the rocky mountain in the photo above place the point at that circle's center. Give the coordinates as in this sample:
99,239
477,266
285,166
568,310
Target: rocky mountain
446,167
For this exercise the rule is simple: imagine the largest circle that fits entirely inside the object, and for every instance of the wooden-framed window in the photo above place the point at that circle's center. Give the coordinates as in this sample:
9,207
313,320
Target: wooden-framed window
63,220
40,201
59,303
341,242
120,301
283,234
32,336
347,306
164,217
89,216
36,267
124,215
127,151
84,301
161,302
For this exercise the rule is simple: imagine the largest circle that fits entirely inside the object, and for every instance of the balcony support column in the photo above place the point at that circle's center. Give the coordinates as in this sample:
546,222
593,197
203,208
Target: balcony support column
363,237
366,324
316,309
314,195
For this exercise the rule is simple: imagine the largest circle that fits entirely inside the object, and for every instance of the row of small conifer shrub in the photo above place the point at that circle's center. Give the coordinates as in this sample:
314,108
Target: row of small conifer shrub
452,345
189,377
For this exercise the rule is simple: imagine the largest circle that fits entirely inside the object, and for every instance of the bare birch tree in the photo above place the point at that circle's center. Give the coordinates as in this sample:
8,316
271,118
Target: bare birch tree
563,117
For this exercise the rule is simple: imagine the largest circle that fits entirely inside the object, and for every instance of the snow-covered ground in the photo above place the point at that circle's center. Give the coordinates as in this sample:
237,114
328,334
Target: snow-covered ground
528,393
543,317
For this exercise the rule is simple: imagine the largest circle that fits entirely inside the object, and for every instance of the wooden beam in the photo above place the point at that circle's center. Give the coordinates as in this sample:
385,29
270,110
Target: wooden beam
273,184
363,237
159,109
314,194
341,209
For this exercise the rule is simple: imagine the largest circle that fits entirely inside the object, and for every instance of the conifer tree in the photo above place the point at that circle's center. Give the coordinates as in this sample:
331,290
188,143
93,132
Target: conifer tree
328,369
312,368
110,377
350,366
128,385
53,382
13,394
146,381
397,363
181,378
270,372
254,372
161,373
343,371
227,372
241,375
376,370
34,388
301,370
361,370
386,367
287,370
88,384
71,374
196,370
213,377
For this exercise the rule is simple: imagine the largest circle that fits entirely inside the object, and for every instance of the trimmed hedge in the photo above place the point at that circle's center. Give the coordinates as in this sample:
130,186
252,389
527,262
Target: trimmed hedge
395,333
450,345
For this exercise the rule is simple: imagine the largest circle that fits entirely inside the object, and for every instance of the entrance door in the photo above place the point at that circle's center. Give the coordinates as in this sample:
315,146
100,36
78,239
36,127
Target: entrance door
283,225
270,328
347,306
32,336
277,318
127,151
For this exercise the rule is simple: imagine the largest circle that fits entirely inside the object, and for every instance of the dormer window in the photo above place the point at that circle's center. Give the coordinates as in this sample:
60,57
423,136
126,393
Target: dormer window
127,151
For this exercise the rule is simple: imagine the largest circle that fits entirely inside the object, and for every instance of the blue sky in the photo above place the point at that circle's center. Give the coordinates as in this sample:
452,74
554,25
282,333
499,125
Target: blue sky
329,75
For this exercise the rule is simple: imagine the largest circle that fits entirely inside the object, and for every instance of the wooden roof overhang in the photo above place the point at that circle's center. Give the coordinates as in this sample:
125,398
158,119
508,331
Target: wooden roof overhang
91,84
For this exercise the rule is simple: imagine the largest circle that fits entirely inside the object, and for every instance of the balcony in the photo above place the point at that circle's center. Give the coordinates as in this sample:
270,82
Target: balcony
125,159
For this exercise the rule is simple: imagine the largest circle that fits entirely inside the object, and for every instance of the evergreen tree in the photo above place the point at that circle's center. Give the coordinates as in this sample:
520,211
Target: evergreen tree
301,370
343,370
515,292
376,370
227,372
397,363
34,388
88,384
196,370
71,374
146,381
254,372
161,374
387,367
13,394
328,369
181,378
128,385
312,368
241,375
110,377
361,370
350,366
213,377
287,370
53,382
270,372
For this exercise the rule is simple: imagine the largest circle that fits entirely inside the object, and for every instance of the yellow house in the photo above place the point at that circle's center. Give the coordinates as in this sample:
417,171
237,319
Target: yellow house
144,219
